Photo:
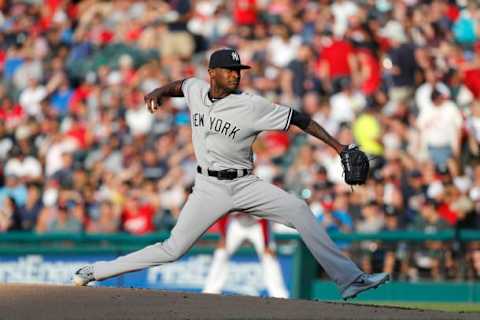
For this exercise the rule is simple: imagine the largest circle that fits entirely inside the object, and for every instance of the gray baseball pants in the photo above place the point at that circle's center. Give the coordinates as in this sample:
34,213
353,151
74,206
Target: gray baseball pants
211,199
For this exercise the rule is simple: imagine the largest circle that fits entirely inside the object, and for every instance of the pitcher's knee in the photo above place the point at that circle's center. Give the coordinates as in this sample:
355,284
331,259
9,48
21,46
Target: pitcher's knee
176,255
168,251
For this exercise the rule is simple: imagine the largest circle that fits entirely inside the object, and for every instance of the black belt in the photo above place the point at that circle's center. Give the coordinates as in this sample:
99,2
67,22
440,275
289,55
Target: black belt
227,174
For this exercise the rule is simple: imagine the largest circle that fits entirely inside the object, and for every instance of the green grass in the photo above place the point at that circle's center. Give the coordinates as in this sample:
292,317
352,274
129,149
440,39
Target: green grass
440,306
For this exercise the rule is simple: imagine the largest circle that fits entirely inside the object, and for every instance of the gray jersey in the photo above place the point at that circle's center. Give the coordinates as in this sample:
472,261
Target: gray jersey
223,131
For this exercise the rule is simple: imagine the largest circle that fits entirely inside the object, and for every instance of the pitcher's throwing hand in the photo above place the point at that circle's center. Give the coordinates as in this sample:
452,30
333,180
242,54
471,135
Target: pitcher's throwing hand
153,100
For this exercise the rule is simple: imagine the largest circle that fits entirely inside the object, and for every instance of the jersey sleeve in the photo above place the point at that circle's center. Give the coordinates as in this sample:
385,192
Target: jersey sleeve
270,116
192,90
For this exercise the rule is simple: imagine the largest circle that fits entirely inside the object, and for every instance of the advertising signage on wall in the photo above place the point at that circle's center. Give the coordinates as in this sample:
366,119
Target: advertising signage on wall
188,274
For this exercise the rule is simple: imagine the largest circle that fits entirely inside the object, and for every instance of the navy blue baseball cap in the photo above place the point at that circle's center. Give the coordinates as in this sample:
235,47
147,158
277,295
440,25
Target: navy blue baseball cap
226,58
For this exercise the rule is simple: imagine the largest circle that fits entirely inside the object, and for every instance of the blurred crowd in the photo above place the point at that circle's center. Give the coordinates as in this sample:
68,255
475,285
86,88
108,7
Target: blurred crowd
81,153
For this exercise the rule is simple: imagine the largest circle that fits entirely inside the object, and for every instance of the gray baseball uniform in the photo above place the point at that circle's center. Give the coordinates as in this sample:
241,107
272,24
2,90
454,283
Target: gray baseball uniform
223,132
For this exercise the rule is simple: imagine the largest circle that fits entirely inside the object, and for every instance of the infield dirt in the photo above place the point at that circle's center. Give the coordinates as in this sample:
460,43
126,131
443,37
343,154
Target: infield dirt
38,302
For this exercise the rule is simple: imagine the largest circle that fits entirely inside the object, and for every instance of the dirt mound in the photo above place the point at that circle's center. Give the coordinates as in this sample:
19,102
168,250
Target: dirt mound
65,302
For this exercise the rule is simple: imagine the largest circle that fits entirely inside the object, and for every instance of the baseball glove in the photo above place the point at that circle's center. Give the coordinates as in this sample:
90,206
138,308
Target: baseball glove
355,165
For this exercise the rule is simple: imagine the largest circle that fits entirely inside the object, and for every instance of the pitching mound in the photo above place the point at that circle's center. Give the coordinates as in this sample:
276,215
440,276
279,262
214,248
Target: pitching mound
64,302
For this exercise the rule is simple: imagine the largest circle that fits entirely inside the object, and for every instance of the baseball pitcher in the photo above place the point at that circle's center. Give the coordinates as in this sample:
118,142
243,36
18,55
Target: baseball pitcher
225,123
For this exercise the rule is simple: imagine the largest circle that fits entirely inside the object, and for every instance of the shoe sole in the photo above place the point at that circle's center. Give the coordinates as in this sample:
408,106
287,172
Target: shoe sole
383,281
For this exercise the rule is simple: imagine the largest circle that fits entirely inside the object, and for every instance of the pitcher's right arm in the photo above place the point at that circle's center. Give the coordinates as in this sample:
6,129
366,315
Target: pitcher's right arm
153,100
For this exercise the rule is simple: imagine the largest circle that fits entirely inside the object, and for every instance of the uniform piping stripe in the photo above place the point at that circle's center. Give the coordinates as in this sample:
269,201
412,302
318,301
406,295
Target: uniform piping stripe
287,125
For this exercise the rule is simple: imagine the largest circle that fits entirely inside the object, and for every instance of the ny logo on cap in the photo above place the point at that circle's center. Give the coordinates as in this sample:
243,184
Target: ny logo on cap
235,56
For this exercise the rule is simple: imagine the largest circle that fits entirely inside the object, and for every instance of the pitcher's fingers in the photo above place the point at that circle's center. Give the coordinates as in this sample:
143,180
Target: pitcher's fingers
155,106
151,106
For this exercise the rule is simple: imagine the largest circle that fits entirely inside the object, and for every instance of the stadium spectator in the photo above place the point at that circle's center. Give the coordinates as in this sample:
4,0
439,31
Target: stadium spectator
297,78
14,188
373,220
31,210
23,166
31,97
108,220
393,251
400,65
137,215
12,114
9,216
346,103
336,62
430,254
335,217
472,124
414,193
368,131
65,173
440,128
283,46
64,220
